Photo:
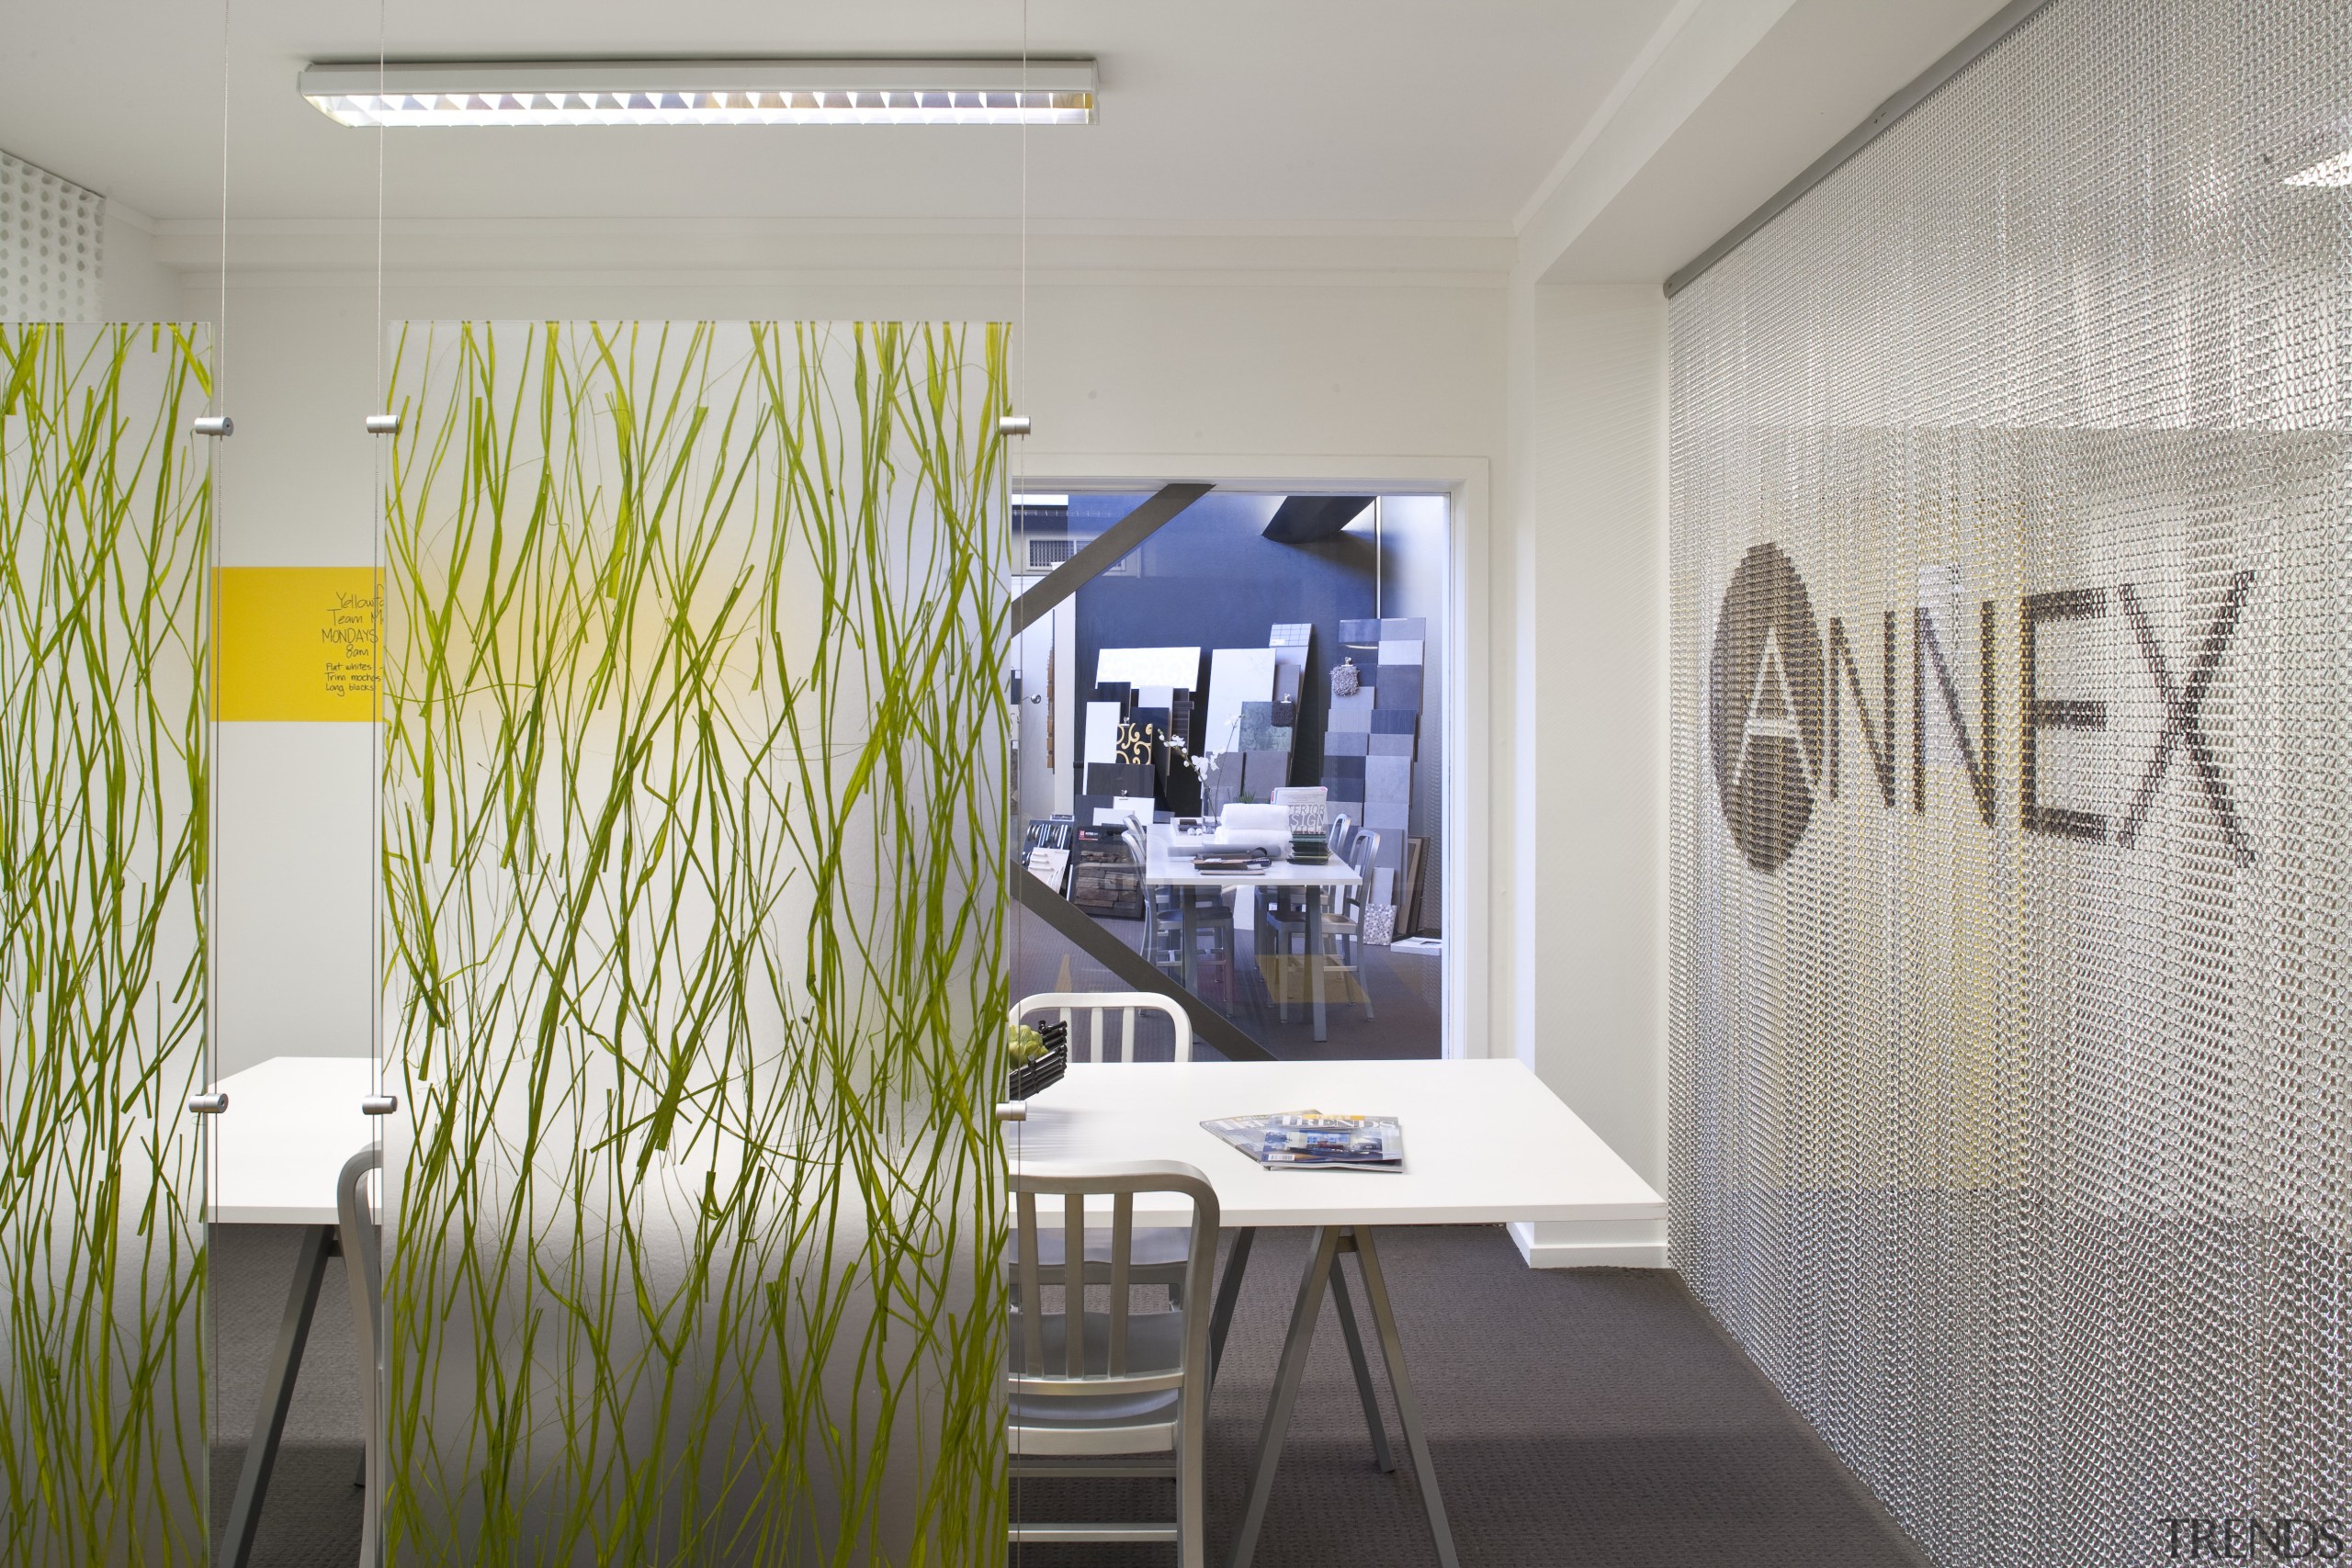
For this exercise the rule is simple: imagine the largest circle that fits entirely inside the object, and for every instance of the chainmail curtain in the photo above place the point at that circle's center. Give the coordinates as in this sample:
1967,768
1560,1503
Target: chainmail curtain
2012,862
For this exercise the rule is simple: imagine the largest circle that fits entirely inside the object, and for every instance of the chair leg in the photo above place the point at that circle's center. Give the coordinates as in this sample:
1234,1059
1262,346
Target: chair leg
1192,1510
1281,958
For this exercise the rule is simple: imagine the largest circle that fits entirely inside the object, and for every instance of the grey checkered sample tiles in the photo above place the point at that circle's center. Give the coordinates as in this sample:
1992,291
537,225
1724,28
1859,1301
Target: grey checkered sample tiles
2011,856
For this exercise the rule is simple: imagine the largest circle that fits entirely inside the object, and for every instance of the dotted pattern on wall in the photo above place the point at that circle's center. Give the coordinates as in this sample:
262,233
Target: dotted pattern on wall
2011,1105
51,245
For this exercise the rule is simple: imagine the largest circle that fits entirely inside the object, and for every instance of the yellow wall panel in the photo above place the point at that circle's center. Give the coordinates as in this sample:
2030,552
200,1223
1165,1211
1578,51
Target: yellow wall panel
297,643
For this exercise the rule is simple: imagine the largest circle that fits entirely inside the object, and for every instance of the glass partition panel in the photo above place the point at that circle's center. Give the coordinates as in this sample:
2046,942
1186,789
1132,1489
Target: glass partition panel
1229,763
105,542
693,848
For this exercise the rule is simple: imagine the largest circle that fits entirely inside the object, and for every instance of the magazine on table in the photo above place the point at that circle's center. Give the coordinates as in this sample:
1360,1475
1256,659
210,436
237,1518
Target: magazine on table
1315,1140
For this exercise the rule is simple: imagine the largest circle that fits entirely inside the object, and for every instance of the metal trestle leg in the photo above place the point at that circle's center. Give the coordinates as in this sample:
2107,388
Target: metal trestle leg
1331,1241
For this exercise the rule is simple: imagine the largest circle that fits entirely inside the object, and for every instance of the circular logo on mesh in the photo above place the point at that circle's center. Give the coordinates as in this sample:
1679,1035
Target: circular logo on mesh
1764,707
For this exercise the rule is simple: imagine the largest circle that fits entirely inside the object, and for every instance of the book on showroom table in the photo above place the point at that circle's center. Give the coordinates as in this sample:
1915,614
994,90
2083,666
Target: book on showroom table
1315,1140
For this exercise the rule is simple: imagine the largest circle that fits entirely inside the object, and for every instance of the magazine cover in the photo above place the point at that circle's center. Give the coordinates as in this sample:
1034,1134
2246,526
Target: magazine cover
1313,1140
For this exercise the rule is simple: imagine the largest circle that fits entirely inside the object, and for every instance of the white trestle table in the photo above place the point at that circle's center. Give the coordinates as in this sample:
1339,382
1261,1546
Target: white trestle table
1486,1143
279,1151
1161,869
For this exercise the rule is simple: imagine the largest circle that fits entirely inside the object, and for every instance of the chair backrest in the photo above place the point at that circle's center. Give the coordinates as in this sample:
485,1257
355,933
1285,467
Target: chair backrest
1343,835
1363,854
1086,1362
361,1243
1091,1008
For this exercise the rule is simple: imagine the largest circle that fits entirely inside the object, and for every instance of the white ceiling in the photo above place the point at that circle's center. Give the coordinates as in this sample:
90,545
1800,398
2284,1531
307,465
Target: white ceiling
1747,96
1614,139
1396,112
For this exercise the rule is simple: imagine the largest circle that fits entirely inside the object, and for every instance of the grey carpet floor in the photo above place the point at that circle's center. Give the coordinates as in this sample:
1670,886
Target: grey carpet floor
1574,1416
312,1513
1586,1415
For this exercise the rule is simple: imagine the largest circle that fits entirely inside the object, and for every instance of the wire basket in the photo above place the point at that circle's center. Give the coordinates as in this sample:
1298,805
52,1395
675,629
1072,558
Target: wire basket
1029,1077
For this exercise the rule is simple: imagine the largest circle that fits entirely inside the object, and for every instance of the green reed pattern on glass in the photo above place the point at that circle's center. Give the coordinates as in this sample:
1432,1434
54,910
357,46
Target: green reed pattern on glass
105,540
692,829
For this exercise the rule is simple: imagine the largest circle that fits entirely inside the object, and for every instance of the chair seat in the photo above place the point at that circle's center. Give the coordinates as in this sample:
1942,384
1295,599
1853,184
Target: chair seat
1135,1422
1333,925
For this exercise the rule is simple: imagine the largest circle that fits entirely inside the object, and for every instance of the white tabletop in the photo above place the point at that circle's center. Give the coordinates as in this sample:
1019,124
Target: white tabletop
291,1124
1162,869
1484,1140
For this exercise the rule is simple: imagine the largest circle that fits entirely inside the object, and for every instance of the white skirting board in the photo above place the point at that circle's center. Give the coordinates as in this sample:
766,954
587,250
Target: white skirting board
1592,1244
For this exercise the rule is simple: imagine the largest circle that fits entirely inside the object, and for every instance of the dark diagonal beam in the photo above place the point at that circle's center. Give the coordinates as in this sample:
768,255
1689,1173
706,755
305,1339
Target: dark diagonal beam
1103,552
1079,928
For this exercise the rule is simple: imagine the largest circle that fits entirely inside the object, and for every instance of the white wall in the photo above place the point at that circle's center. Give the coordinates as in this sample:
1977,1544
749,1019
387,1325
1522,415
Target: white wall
1581,888
1225,367
134,283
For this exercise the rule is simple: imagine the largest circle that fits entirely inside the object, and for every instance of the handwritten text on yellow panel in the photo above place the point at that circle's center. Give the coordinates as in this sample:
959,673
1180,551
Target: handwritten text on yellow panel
297,643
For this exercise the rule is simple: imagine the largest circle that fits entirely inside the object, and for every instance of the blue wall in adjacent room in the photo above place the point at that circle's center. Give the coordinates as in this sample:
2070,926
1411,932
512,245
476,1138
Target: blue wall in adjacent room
1211,578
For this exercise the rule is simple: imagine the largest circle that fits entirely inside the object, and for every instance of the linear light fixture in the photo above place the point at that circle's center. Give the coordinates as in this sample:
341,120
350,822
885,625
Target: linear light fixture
2336,170
995,91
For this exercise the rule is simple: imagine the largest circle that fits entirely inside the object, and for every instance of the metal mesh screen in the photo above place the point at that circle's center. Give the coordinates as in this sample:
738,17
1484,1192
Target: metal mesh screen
2012,862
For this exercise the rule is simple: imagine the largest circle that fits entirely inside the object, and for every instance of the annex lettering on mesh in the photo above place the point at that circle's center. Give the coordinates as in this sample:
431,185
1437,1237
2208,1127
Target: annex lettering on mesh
1779,691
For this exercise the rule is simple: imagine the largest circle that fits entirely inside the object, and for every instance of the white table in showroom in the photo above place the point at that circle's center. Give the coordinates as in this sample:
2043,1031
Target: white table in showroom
1162,869
1485,1143
278,1152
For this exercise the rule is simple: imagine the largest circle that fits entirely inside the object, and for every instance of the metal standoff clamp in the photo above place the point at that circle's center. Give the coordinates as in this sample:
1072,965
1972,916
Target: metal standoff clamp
207,1104
1012,1110
215,424
383,425
380,1104
1013,425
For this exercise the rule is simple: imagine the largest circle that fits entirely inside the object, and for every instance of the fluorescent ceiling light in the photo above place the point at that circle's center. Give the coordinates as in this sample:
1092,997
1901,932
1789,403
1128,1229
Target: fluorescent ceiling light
705,92
2336,170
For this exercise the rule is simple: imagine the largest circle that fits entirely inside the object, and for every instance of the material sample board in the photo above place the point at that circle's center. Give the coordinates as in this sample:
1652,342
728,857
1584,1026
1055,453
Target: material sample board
1369,745
1149,666
1236,676
1102,731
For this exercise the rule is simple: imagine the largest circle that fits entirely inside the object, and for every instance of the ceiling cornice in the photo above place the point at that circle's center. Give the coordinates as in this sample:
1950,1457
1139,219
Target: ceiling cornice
1698,45
984,252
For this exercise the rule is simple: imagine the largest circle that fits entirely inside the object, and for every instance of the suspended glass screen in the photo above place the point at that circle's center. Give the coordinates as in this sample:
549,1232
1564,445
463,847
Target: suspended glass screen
693,842
105,542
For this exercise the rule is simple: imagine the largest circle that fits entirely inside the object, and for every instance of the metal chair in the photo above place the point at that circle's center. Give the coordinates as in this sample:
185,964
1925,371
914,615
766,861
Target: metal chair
1176,952
1162,1250
1089,1385
361,1239
1096,1005
1342,920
